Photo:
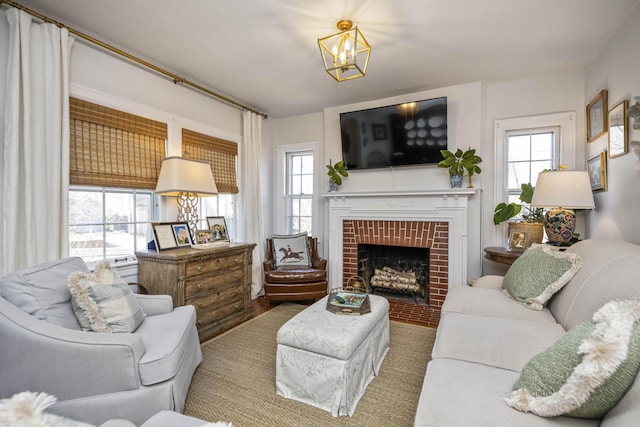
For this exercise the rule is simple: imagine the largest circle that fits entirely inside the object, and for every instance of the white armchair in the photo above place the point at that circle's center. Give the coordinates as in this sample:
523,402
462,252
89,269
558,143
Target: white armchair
95,376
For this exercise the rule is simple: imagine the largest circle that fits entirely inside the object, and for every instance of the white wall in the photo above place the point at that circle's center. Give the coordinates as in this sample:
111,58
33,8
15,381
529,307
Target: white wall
616,69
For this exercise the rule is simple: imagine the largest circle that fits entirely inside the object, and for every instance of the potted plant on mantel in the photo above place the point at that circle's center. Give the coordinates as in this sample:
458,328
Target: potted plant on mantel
533,223
458,162
336,172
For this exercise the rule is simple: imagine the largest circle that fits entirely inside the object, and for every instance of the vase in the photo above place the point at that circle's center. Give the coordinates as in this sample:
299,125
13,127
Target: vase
456,181
333,186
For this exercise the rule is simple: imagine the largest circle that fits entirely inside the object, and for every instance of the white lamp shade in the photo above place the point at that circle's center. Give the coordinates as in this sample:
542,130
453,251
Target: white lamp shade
567,189
178,175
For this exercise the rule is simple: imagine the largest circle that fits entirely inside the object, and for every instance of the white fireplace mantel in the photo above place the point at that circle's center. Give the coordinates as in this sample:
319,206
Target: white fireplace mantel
447,205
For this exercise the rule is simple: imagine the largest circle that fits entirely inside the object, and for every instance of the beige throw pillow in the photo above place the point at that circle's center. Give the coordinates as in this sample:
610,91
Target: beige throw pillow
103,302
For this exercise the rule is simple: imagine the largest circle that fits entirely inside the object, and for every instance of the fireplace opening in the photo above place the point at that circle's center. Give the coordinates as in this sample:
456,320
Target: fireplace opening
395,271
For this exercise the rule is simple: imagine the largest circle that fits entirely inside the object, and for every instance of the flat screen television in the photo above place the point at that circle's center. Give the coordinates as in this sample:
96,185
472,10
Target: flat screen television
411,133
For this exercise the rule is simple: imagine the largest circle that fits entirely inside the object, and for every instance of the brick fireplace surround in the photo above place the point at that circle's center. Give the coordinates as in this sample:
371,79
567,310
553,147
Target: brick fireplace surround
433,219
417,234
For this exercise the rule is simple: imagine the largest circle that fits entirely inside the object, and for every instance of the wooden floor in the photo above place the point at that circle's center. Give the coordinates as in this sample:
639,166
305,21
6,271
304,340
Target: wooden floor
400,311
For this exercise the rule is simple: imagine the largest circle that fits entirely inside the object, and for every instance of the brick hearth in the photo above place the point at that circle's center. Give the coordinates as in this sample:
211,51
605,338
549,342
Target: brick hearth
421,234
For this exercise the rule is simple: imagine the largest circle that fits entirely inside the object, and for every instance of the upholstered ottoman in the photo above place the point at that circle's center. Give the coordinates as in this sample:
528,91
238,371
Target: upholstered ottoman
327,360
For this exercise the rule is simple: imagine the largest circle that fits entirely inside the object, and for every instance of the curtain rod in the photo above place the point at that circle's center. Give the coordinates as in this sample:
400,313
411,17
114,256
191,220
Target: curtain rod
176,79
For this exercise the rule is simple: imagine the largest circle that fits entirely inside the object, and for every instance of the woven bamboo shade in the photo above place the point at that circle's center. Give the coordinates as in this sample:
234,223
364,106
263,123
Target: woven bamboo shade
220,154
111,148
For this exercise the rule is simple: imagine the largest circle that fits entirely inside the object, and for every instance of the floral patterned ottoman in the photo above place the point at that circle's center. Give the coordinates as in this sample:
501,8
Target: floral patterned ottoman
327,360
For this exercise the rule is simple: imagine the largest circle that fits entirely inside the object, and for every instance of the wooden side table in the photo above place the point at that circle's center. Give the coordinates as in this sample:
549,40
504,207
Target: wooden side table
501,255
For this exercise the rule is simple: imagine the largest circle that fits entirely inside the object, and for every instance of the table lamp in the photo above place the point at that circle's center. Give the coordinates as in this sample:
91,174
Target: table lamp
187,180
562,191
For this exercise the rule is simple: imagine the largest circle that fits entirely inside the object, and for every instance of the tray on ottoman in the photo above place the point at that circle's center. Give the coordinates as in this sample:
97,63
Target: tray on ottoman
342,301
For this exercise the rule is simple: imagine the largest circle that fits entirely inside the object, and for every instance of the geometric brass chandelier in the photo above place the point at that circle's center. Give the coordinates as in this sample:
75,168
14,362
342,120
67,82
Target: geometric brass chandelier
345,54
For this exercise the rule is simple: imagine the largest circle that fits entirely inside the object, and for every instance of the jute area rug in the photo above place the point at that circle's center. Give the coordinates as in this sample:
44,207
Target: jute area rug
236,380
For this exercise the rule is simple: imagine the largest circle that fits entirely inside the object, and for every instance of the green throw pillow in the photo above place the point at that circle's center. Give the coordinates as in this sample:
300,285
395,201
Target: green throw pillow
587,371
103,302
539,273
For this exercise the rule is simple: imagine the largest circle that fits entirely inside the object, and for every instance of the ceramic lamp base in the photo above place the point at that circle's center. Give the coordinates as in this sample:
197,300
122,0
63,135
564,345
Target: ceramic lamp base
559,225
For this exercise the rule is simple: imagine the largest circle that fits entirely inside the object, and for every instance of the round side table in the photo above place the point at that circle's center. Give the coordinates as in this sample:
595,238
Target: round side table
501,255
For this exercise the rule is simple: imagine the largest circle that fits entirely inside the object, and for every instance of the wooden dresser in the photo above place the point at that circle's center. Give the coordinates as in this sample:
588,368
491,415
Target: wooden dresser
217,282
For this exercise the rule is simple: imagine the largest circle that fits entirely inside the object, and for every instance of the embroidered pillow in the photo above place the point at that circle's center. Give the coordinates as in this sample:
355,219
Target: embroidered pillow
292,250
587,371
539,273
103,302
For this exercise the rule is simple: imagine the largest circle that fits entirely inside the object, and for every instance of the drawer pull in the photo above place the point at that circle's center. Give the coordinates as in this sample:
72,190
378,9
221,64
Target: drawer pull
238,260
199,322
199,268
199,305
199,286
238,274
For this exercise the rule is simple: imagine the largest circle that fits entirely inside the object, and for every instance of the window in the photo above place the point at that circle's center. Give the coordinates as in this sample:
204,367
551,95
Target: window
529,152
299,192
220,205
109,222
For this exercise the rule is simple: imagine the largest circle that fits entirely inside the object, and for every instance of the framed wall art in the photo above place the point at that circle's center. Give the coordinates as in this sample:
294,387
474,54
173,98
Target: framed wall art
597,116
618,130
163,236
597,168
218,226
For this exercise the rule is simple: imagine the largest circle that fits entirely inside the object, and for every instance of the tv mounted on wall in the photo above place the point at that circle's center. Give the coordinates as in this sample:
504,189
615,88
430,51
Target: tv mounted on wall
405,134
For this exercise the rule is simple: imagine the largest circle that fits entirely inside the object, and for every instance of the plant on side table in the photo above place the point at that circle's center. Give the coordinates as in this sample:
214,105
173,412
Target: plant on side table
458,162
336,172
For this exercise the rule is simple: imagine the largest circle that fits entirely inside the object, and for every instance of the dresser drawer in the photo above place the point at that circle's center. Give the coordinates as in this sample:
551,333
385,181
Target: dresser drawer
209,265
197,285
218,305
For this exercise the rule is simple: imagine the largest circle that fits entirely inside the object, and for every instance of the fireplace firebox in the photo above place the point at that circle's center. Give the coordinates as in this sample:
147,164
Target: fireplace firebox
395,270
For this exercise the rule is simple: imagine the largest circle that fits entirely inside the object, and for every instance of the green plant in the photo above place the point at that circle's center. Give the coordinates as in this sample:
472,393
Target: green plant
504,211
337,171
460,161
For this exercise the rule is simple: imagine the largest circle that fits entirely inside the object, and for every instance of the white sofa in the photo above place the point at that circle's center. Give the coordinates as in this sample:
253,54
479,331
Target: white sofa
485,338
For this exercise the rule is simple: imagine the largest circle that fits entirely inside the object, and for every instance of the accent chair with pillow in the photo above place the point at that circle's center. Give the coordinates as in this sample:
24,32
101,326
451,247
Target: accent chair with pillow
140,363
293,270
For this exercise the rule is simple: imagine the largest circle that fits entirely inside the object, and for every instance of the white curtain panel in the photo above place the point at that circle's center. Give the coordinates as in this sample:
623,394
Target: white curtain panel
35,181
249,205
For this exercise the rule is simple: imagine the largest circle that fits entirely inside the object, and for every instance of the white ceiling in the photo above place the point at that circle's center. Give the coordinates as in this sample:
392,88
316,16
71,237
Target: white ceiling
264,53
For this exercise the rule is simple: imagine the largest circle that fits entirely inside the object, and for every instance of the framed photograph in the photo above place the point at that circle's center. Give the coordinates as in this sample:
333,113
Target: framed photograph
181,233
518,240
163,236
597,116
204,236
218,226
618,130
379,132
597,167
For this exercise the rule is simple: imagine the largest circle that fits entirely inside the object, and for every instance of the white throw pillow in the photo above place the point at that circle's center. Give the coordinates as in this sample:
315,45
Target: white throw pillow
291,250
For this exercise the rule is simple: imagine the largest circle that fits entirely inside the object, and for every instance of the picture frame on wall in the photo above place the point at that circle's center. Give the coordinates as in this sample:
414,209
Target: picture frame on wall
618,130
181,233
597,168
163,236
218,226
597,116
